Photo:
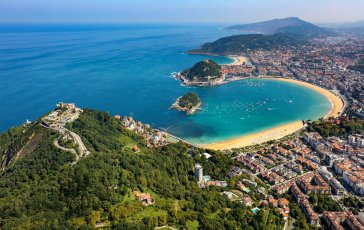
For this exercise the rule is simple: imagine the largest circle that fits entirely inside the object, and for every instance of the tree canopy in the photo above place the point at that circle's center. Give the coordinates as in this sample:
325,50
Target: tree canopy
42,189
203,71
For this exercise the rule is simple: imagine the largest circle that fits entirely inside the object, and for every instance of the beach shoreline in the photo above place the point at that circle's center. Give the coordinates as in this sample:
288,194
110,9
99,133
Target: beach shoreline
257,137
337,105
238,60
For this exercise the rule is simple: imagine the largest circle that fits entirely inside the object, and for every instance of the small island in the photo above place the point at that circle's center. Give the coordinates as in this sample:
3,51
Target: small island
189,103
204,73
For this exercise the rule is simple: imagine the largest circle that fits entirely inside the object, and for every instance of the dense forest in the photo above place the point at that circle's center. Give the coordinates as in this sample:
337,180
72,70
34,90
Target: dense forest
238,44
41,190
203,71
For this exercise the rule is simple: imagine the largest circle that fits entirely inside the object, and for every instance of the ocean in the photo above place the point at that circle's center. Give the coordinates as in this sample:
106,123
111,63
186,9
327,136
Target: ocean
127,70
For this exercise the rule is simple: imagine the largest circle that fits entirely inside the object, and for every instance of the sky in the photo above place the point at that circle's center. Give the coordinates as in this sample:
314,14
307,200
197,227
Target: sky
178,11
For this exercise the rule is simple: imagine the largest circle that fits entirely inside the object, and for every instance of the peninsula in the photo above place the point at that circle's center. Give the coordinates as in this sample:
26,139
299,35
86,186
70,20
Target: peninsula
204,73
189,103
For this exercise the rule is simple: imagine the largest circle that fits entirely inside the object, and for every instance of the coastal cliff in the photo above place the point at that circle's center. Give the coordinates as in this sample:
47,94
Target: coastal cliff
189,103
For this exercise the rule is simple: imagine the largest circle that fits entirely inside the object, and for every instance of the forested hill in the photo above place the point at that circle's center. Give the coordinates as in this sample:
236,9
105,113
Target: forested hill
238,44
291,25
203,71
41,190
267,35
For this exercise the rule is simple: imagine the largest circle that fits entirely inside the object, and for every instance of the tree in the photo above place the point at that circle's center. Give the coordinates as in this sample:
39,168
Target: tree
95,217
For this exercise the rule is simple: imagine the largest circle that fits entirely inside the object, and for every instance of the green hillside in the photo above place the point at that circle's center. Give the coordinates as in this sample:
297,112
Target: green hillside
41,190
238,44
203,71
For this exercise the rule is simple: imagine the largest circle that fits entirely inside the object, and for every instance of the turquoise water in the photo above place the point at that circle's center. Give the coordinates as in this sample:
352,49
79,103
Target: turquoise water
126,69
248,106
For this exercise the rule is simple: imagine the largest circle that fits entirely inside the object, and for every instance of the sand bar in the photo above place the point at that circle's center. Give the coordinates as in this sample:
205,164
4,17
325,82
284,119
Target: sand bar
282,130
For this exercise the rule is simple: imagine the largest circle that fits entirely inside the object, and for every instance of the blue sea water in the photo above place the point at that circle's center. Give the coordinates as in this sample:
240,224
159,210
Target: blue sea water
126,69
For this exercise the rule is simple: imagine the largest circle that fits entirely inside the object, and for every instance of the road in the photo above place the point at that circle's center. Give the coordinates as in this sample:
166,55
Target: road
82,150
179,139
81,146
66,149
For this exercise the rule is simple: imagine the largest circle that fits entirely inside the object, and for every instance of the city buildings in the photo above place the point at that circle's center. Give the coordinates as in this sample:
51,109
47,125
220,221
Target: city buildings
342,221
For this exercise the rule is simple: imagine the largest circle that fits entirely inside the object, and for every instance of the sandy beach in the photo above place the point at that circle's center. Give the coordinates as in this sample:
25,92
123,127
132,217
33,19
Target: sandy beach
238,60
256,138
282,130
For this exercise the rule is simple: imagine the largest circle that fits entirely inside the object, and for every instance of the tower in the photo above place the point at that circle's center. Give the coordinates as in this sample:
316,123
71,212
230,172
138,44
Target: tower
199,173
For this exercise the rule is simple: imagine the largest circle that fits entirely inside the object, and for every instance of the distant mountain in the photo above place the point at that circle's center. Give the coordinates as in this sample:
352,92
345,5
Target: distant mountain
237,44
358,24
356,28
292,25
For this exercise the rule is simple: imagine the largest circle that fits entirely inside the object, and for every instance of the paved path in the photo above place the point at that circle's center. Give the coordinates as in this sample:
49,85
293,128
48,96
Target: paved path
285,225
66,149
165,226
82,150
81,146
179,139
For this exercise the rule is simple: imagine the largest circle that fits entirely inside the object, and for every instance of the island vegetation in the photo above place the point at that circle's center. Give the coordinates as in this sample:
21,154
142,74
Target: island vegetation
206,72
189,102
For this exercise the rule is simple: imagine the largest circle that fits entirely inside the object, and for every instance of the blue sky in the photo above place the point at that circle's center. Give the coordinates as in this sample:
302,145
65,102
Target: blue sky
178,11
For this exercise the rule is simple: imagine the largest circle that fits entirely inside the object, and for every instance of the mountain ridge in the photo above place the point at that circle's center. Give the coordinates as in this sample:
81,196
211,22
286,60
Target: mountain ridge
291,25
239,44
